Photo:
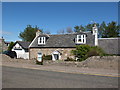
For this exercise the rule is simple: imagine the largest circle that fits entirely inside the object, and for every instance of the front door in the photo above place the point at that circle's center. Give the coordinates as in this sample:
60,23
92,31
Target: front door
56,56
39,57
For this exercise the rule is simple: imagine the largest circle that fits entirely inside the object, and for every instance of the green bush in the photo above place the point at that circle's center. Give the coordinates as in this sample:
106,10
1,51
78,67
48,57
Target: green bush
92,53
69,59
47,57
95,51
82,52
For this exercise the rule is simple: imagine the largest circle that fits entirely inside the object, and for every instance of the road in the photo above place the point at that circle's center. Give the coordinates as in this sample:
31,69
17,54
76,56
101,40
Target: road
31,78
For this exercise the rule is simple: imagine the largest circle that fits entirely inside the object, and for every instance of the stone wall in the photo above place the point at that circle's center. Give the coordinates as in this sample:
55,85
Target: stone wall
98,62
65,52
104,62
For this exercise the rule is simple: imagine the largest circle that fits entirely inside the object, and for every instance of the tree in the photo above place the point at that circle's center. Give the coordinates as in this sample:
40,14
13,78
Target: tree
79,28
10,46
29,33
76,29
112,30
89,27
102,29
69,30
82,28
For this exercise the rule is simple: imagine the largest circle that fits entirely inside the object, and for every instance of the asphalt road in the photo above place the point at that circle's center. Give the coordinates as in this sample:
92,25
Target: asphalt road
30,78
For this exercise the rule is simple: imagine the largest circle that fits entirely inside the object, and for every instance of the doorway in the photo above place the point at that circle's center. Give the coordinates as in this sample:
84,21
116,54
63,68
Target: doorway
55,55
39,57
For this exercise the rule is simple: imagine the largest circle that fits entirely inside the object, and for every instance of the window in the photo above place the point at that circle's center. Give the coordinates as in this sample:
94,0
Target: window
41,40
81,39
17,48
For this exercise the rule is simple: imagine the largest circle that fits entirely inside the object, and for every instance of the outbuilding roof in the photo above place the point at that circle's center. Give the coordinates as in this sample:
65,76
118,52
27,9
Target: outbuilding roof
23,44
110,45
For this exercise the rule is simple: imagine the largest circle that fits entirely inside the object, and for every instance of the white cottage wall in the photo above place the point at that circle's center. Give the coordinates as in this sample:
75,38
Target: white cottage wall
20,52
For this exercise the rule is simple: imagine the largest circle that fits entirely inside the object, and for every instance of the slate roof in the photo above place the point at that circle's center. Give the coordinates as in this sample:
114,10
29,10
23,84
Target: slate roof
7,42
110,45
62,40
23,44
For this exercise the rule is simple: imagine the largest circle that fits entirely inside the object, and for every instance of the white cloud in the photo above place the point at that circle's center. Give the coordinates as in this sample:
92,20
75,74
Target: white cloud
5,32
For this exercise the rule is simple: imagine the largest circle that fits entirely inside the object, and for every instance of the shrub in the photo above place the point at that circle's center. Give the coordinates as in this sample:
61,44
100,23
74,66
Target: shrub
95,51
82,52
69,59
47,57
92,53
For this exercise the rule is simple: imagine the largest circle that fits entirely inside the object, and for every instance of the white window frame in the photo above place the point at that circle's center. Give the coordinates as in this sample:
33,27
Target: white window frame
42,40
83,39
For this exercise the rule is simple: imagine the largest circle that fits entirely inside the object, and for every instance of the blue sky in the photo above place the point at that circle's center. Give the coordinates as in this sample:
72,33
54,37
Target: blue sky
53,16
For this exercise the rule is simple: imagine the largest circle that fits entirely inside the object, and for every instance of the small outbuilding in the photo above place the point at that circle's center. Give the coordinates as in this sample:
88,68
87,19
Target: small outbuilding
21,49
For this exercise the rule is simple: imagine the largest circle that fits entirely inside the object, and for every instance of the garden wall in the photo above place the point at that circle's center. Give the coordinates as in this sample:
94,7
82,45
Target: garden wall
104,62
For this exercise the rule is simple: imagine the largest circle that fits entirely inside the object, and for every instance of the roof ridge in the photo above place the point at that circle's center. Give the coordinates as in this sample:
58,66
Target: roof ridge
22,41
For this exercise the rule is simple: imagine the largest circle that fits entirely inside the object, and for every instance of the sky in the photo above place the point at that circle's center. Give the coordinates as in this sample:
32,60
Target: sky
53,16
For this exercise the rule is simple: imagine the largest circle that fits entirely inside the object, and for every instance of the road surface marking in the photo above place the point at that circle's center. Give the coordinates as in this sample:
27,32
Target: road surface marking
64,71
75,72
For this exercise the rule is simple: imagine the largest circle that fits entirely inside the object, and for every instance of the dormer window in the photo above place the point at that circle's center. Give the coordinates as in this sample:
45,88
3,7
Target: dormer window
41,40
81,39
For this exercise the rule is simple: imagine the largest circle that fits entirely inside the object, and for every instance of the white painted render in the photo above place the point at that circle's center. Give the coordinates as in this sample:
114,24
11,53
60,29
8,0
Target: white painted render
83,39
20,52
95,33
41,40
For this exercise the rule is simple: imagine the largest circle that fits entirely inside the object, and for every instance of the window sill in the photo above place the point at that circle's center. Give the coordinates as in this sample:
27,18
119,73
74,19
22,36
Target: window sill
80,43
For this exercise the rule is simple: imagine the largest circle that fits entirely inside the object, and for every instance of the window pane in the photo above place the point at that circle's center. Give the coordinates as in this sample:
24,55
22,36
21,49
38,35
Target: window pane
83,40
40,39
79,36
79,40
43,39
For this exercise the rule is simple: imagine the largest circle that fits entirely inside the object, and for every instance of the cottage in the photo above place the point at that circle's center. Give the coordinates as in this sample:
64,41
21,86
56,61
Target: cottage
60,46
21,49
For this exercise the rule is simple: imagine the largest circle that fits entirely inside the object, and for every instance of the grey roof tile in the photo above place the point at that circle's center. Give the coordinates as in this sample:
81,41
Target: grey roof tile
23,44
63,40
110,45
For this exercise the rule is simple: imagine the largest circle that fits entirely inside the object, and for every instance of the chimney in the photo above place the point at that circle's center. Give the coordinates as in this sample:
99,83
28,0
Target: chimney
95,33
38,33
